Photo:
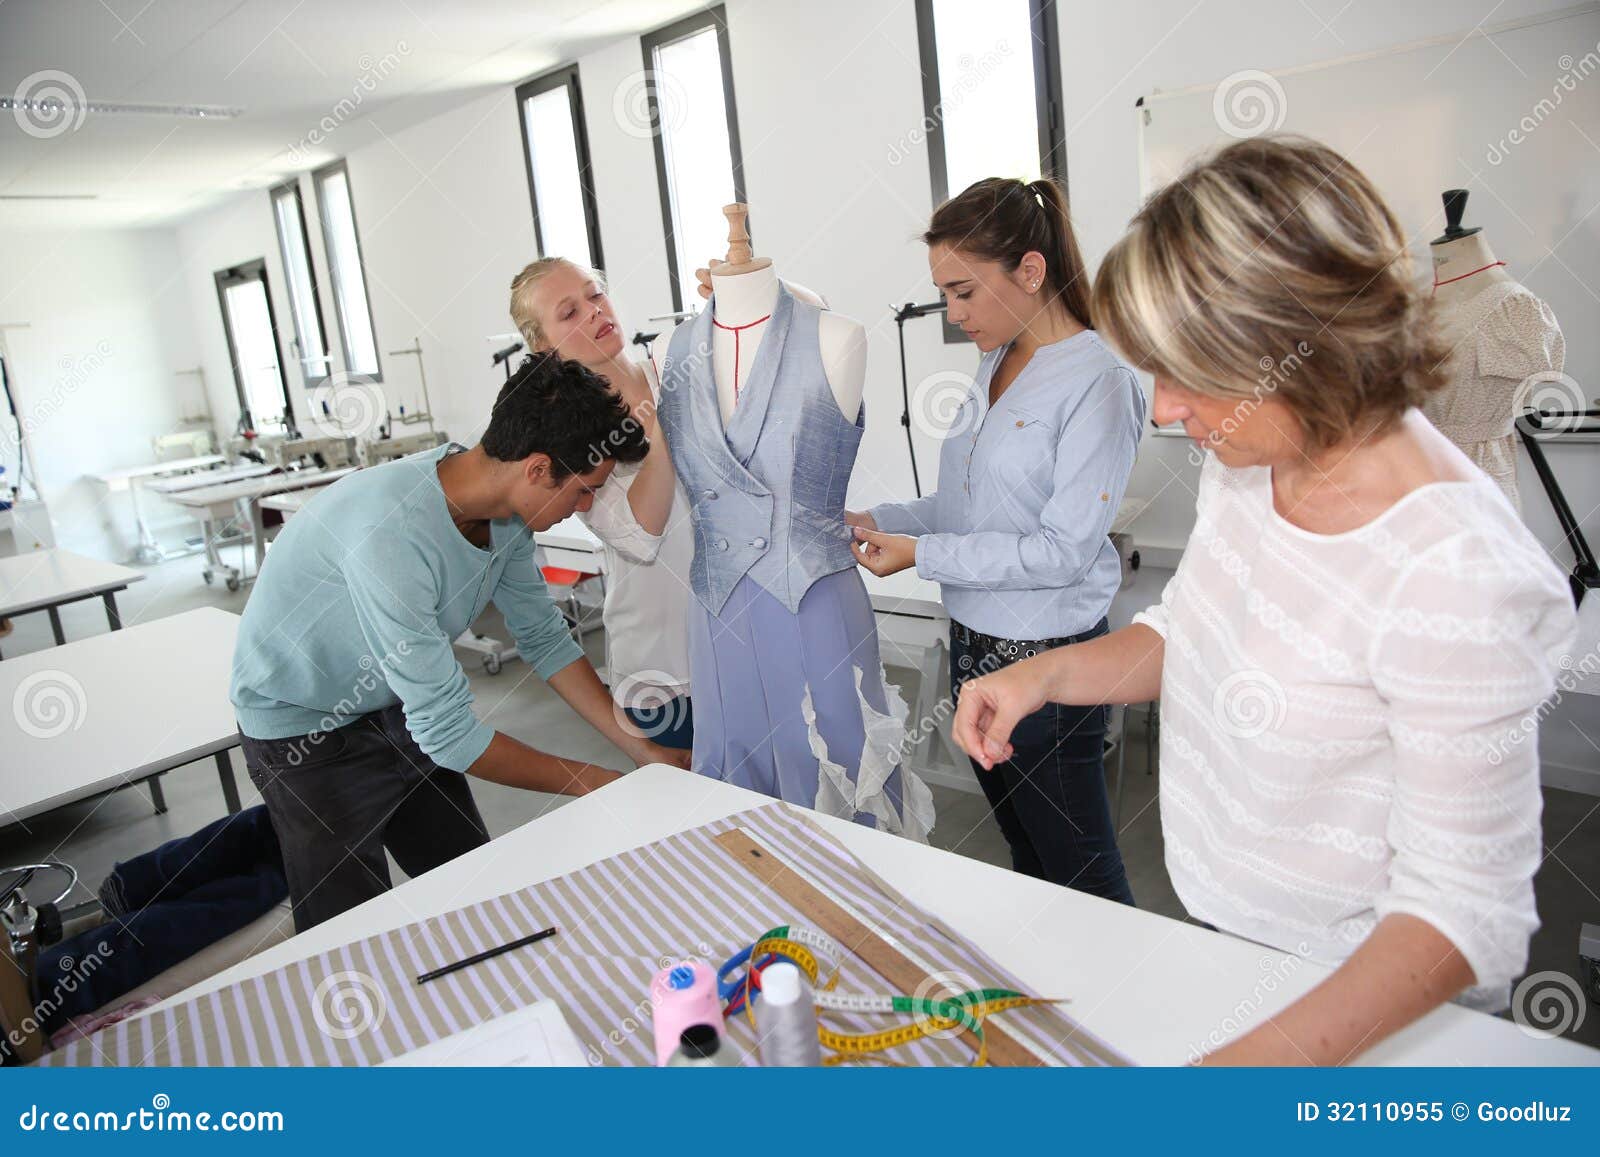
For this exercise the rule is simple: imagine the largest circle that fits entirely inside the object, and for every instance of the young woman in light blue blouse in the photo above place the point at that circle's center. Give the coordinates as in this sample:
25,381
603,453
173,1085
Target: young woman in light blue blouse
1031,473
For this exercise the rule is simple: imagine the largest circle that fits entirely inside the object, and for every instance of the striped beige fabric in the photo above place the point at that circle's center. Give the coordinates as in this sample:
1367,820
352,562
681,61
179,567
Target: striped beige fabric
620,921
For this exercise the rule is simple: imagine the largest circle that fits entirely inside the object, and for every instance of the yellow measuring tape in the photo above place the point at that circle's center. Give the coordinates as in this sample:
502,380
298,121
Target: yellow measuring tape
935,1016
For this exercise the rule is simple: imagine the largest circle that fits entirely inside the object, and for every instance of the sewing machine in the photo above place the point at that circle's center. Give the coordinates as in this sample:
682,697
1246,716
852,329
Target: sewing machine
184,444
327,453
375,450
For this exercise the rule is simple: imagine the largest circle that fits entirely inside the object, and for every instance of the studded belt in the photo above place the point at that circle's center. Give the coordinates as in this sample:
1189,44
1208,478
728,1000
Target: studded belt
1013,650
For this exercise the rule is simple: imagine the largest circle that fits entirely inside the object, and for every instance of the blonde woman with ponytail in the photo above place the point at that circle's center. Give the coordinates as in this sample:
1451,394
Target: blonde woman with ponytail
639,514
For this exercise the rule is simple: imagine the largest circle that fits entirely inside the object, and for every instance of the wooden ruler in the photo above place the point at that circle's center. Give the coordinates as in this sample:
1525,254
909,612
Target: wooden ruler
853,936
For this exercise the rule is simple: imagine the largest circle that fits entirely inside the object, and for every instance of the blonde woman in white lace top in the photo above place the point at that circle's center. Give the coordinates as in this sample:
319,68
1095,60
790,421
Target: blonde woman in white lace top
1352,654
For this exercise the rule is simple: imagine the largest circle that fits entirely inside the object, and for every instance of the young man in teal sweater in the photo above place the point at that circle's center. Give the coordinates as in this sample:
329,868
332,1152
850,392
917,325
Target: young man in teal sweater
356,716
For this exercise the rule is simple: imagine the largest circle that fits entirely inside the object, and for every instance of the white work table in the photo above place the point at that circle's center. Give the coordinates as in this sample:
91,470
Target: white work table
293,502
165,477
46,580
221,505
247,489
187,482
115,710
571,544
124,477
1148,985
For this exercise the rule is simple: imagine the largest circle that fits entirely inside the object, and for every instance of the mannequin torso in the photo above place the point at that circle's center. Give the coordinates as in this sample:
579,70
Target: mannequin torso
1463,268
742,303
1500,335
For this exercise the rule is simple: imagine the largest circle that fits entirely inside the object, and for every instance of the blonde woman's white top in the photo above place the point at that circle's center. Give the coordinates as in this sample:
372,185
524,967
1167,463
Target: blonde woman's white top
1349,722
647,590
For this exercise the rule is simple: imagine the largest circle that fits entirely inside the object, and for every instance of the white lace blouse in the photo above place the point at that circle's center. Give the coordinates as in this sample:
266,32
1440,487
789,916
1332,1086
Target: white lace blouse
1349,721
647,590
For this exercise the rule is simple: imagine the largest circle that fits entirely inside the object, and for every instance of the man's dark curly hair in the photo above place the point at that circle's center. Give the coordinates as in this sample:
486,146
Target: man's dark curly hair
565,410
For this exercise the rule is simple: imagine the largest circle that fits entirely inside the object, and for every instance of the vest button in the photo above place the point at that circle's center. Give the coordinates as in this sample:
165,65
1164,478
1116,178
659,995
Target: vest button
722,544
759,543
708,494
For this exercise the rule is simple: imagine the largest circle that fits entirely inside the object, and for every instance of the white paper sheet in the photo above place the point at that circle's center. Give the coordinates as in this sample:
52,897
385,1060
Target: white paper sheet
534,1037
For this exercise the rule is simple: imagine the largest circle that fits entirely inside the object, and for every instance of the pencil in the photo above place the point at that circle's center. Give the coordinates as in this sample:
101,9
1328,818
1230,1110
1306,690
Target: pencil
482,956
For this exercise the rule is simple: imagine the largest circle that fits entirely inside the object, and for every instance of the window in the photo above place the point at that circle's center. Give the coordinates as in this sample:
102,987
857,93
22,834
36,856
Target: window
991,95
310,339
689,90
991,91
339,237
252,334
556,147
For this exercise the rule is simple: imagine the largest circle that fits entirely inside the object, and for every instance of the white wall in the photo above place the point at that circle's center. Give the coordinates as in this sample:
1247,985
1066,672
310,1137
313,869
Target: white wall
443,214
96,370
1115,53
238,231
440,250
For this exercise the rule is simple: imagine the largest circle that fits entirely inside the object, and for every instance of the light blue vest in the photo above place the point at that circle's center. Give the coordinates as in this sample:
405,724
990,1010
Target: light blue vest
767,494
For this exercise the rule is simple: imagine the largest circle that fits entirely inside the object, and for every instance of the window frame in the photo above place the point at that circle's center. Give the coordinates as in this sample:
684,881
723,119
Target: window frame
292,186
1047,106
319,178
713,17
564,77
248,271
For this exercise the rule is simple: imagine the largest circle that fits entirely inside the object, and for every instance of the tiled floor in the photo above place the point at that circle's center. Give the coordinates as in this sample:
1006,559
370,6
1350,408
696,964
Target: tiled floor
94,834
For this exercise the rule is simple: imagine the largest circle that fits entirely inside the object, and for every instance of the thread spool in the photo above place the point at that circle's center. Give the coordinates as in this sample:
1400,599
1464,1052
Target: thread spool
788,1019
682,996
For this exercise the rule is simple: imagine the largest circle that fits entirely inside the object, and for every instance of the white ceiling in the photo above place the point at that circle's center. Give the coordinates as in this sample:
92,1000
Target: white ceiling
286,64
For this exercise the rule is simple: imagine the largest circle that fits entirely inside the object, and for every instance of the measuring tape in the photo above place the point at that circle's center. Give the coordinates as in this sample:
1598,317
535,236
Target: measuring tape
935,1015
793,944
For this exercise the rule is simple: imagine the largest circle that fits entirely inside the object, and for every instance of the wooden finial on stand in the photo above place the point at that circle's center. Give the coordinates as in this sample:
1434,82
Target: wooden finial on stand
741,257
739,250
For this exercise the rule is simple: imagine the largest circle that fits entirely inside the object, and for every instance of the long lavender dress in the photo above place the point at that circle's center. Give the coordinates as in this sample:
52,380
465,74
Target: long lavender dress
789,692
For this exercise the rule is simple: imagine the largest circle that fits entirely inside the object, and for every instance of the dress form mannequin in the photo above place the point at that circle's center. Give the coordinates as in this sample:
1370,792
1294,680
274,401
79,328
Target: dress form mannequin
1463,263
762,411
745,289
1499,335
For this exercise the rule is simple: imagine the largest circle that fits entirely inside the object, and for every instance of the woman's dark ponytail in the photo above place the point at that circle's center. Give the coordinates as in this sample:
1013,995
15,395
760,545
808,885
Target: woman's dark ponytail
999,219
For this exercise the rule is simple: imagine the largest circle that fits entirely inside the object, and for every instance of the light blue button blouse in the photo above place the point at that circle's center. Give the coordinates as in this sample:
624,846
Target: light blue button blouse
1017,535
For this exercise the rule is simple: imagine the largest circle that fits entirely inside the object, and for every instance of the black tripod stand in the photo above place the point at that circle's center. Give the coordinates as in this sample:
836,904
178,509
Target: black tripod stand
901,315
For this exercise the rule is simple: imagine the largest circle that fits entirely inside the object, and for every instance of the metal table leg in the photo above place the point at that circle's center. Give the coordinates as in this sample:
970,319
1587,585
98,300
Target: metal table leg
258,531
55,625
113,616
230,789
208,528
954,756
149,550
157,796
927,697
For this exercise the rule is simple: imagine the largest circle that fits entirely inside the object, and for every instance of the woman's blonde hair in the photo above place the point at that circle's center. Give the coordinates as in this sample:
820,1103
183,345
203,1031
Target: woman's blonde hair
523,315
1274,266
